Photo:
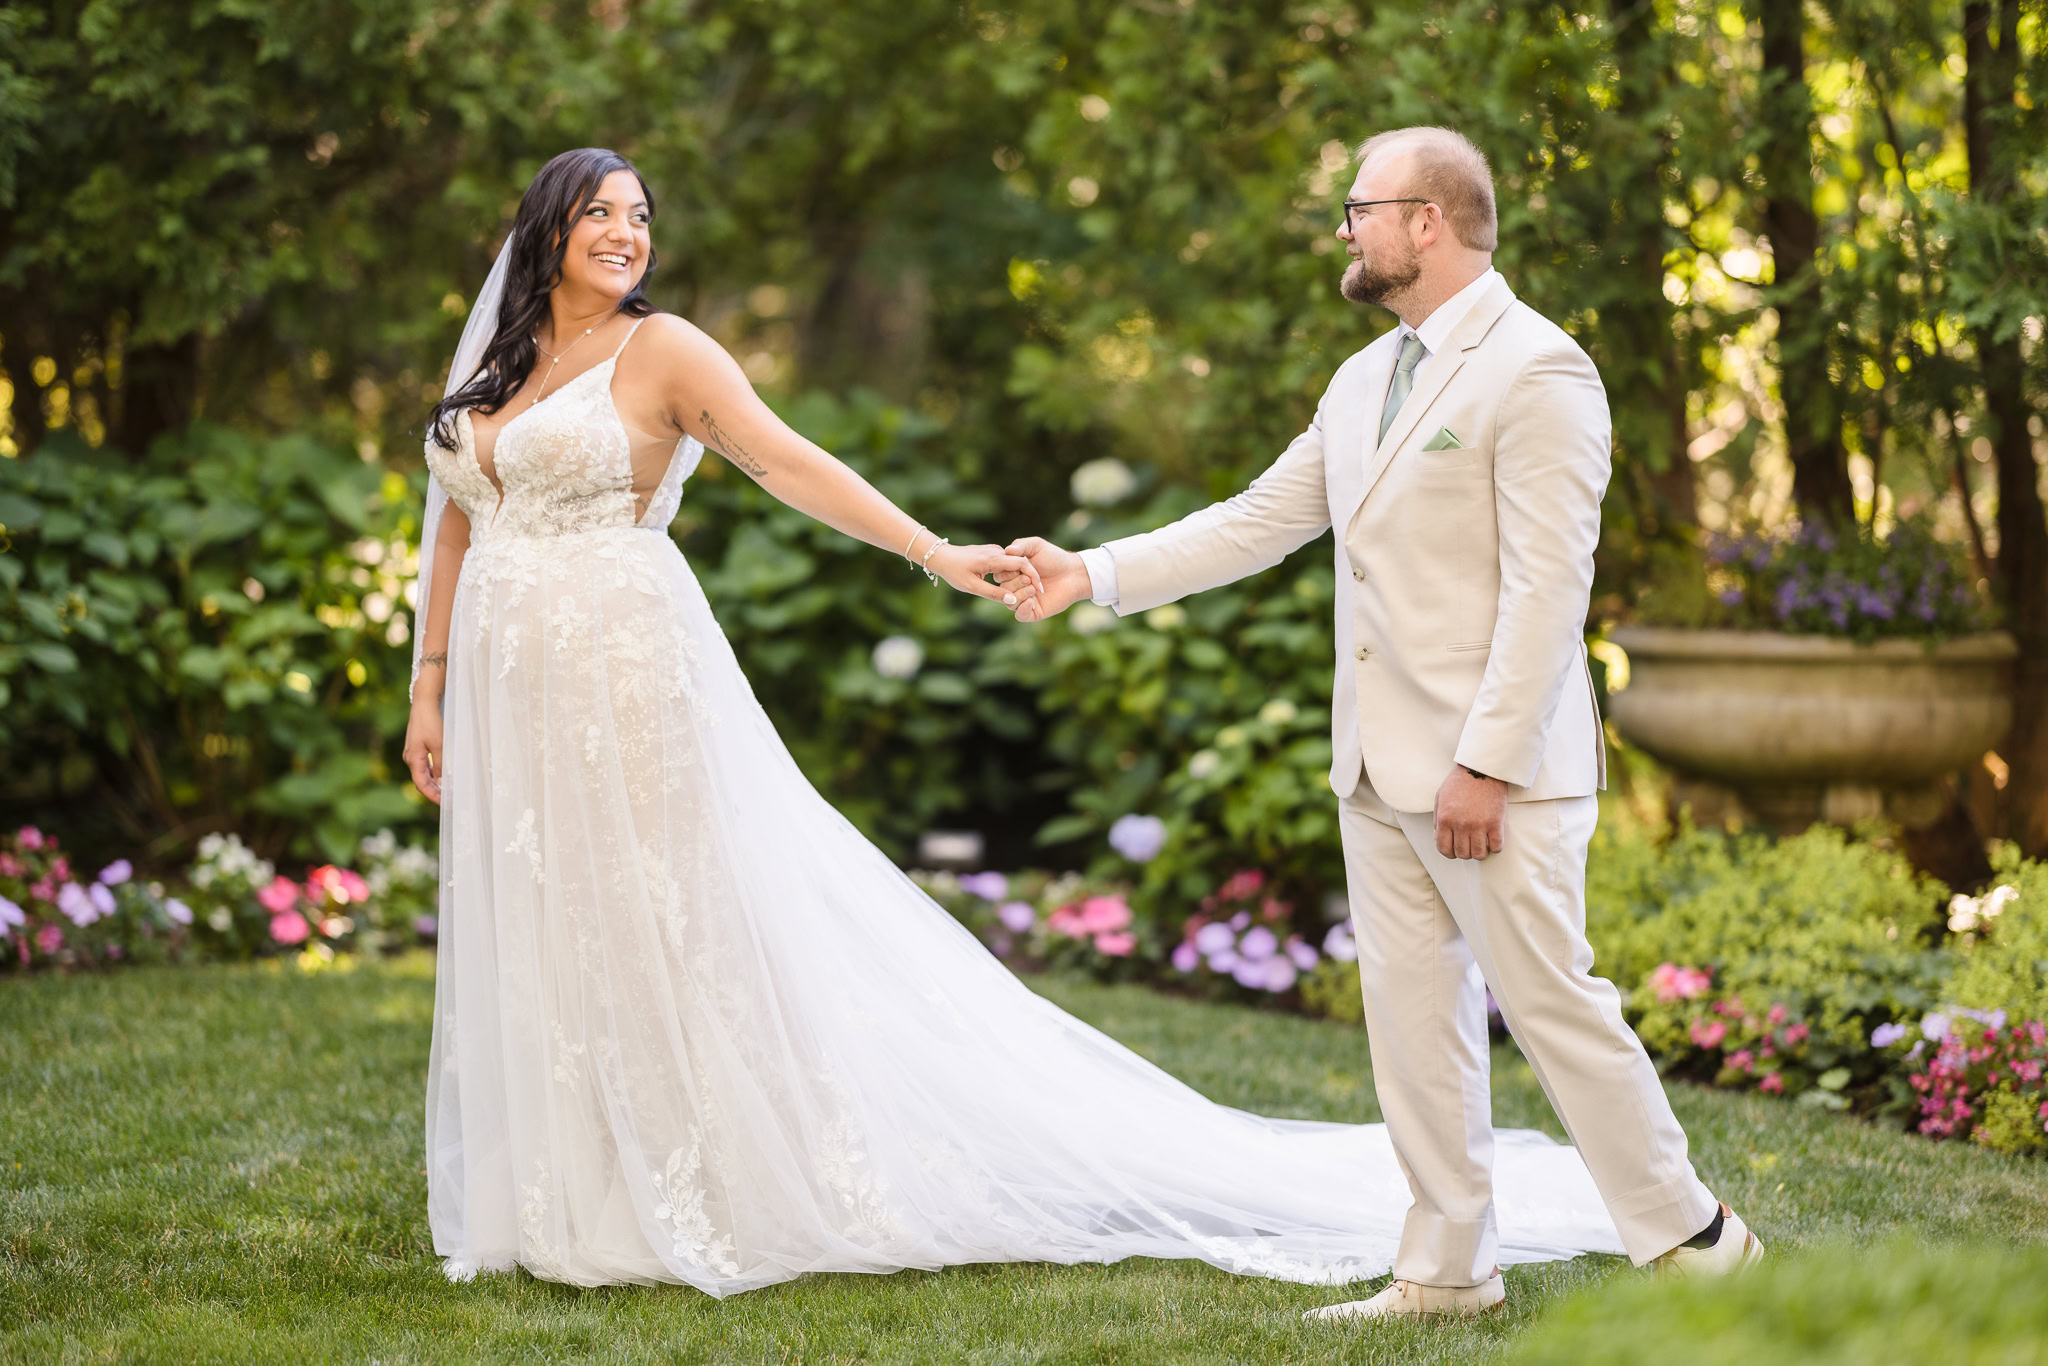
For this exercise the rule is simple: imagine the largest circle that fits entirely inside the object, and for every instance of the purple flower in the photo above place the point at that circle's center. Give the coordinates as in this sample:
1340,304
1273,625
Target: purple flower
1186,957
1138,838
1303,956
1934,1027
1258,944
1240,920
12,917
1731,597
425,926
117,872
1214,938
1223,961
76,905
1885,1035
178,911
1339,944
102,897
987,886
1249,973
1280,974
1018,917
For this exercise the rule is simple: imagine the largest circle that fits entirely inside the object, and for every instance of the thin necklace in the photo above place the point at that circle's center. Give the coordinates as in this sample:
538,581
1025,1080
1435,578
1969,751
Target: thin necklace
555,358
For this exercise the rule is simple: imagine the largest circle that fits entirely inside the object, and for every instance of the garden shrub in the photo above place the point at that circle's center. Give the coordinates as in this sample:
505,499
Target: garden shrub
1745,958
2001,961
207,637
1836,1304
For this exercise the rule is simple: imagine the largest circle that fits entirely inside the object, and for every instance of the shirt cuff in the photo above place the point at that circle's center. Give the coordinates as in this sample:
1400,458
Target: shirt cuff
1101,575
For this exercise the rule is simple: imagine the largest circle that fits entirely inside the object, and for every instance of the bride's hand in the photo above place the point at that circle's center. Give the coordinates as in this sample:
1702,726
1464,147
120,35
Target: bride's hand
422,752
964,567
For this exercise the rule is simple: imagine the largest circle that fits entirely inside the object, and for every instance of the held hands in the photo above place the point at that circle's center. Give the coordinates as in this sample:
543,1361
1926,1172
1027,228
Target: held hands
1469,815
1060,576
966,568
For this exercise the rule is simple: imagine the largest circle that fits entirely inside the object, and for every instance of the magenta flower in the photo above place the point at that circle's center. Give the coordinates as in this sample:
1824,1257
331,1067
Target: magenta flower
1796,1034
1067,921
1775,1015
1709,1033
1018,917
30,837
279,896
117,872
1241,885
49,938
1104,913
1774,1083
10,866
289,927
1117,945
1186,957
60,868
1742,1059
1673,983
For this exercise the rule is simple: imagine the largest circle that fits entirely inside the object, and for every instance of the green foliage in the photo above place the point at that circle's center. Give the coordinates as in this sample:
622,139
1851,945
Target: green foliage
1330,989
2004,966
203,638
1833,1304
2012,1123
1832,930
805,608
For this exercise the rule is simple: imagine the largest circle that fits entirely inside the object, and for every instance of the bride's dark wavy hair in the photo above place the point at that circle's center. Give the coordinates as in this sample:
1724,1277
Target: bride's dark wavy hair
551,206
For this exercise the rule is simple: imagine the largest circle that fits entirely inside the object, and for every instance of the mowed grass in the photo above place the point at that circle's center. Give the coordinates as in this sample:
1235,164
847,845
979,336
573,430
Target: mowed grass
223,1164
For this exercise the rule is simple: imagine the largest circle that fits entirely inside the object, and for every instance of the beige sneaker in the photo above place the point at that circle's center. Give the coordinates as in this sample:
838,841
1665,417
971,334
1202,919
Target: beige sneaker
1737,1250
1411,1299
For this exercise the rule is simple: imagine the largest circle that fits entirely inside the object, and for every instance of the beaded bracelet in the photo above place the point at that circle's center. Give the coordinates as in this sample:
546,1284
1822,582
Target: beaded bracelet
926,565
913,540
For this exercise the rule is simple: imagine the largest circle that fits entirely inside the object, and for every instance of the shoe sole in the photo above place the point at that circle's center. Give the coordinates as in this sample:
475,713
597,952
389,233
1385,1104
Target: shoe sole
1496,1307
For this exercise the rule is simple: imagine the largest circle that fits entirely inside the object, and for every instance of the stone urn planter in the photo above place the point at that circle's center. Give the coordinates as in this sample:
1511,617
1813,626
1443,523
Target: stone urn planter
1808,728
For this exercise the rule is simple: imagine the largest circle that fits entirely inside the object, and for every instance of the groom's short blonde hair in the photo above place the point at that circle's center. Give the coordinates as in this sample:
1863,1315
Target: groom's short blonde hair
1446,169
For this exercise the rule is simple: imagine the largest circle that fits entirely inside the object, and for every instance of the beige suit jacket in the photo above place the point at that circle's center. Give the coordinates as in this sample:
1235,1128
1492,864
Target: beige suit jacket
1463,575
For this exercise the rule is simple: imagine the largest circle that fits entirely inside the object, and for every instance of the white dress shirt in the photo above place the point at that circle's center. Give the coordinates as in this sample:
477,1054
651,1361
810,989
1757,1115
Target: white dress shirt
1434,330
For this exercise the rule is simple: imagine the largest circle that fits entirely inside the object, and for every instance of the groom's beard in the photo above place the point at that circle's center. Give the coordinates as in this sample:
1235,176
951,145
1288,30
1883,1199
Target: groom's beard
1366,282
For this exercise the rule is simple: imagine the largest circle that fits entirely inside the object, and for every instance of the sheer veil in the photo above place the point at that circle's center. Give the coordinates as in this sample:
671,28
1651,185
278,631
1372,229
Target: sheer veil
469,355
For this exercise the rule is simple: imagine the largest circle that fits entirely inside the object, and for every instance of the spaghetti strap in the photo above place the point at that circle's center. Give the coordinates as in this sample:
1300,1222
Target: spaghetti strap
628,337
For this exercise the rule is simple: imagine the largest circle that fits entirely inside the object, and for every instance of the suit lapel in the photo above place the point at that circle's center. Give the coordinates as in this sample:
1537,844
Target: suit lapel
1442,369
1375,374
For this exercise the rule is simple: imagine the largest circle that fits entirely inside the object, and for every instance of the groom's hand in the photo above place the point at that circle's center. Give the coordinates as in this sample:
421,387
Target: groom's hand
1061,572
1469,815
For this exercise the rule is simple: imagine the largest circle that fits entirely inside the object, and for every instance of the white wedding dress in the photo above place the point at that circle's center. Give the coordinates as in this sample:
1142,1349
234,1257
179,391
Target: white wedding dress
689,1026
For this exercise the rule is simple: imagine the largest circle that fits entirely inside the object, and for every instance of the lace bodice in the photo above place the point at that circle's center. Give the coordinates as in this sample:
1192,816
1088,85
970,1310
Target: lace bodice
565,465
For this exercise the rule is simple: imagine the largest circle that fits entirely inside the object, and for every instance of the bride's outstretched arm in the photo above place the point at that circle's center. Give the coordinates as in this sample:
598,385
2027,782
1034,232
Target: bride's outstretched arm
709,397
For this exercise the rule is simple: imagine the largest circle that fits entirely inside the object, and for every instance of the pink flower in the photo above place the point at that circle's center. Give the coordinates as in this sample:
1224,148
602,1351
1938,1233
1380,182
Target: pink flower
1708,1033
1773,1084
1100,914
49,938
289,927
280,896
60,868
1241,885
45,890
30,837
1067,921
336,884
1796,1035
1776,1015
10,866
1273,910
1742,1059
1673,983
1116,945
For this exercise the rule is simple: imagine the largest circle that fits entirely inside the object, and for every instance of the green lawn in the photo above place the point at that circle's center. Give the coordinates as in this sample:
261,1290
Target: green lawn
223,1164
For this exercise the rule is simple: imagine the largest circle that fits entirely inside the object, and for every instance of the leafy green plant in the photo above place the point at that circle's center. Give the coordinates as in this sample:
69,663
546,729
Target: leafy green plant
207,637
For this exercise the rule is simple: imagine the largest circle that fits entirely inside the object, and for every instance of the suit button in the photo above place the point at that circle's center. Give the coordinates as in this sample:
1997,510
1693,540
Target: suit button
1358,574
1363,652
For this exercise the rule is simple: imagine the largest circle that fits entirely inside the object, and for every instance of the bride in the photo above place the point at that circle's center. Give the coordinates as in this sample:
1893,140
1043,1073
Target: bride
689,1026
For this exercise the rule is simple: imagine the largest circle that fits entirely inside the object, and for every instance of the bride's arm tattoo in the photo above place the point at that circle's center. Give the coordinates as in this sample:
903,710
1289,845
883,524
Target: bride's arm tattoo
722,442
437,657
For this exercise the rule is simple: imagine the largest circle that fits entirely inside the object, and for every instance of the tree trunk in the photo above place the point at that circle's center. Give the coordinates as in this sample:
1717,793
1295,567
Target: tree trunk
159,392
1813,423
2022,564
1652,427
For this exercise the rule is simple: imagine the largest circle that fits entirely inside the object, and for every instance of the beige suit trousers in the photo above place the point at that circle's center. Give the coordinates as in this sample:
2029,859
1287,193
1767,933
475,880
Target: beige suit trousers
1432,934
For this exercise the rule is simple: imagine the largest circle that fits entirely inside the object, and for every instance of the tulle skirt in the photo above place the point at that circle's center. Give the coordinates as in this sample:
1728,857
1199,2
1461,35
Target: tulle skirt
690,1026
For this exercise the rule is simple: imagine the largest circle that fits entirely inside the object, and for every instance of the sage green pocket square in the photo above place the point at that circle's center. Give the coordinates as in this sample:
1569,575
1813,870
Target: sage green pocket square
1445,440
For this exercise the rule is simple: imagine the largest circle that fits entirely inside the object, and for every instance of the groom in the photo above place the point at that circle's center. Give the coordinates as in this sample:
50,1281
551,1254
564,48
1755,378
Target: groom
1462,458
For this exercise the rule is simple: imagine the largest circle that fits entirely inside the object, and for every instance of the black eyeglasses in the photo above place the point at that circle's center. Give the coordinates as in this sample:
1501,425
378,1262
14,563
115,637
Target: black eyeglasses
1351,206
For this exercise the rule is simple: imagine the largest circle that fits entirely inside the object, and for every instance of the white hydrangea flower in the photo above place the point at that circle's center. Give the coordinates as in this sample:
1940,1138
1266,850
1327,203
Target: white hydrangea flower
898,657
1278,712
1090,617
1204,763
1102,482
1167,618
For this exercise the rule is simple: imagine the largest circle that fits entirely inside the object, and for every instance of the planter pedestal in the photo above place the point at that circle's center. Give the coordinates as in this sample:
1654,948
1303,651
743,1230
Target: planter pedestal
1808,728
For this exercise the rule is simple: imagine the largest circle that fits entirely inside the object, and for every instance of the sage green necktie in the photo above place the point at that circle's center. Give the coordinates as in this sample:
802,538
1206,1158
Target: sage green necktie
1404,380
